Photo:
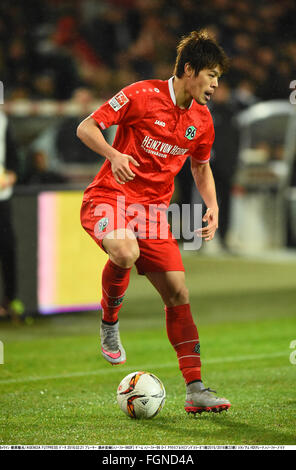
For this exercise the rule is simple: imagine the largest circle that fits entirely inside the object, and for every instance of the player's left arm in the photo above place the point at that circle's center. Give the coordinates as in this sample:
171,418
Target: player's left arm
204,180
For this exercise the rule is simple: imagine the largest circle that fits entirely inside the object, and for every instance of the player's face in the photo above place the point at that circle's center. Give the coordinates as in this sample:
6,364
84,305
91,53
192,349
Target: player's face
202,86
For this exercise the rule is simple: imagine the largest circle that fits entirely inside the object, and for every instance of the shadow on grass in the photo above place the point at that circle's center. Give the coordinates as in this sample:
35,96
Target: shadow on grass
216,430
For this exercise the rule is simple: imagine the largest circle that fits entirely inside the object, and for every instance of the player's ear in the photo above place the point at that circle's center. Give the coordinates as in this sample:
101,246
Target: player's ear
188,70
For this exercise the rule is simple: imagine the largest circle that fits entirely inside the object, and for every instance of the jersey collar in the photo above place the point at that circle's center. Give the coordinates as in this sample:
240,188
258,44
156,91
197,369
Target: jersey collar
172,92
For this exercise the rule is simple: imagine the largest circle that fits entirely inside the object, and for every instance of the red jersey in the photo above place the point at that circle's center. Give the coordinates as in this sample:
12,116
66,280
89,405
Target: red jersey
155,132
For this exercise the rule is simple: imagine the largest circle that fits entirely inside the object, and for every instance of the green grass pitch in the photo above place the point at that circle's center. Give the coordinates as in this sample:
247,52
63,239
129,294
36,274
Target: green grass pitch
55,388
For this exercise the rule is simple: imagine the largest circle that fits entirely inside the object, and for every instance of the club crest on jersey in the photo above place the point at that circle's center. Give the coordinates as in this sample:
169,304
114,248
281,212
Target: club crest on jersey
103,224
190,132
118,101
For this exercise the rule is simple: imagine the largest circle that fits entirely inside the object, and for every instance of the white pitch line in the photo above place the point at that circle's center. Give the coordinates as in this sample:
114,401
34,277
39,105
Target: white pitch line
217,360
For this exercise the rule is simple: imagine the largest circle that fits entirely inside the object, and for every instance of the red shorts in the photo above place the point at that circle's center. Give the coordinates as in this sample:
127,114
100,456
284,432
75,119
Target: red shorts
159,250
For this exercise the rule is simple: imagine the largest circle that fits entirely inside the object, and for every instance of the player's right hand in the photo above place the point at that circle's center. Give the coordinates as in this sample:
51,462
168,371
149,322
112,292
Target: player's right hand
120,166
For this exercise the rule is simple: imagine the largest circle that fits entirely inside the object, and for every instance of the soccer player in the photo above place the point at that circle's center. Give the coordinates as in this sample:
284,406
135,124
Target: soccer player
10,305
160,124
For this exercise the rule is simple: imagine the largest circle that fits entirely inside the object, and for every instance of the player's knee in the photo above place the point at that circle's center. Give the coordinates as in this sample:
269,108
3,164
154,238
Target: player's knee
125,254
179,296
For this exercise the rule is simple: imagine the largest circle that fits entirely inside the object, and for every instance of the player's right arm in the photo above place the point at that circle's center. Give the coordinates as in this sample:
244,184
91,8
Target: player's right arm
90,134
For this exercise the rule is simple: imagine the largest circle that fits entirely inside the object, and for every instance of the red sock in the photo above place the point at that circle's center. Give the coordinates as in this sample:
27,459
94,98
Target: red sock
183,336
115,281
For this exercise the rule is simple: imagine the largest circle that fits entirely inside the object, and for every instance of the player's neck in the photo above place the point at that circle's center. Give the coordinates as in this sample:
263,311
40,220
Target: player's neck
183,98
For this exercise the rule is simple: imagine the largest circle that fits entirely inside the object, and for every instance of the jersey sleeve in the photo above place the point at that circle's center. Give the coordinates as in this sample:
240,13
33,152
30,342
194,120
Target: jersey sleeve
202,153
126,107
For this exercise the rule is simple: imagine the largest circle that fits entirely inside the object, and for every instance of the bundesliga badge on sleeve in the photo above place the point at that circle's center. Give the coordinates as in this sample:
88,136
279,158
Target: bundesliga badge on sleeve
118,101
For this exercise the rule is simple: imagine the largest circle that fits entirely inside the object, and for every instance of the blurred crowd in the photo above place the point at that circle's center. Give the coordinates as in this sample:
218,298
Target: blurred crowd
49,48
83,51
